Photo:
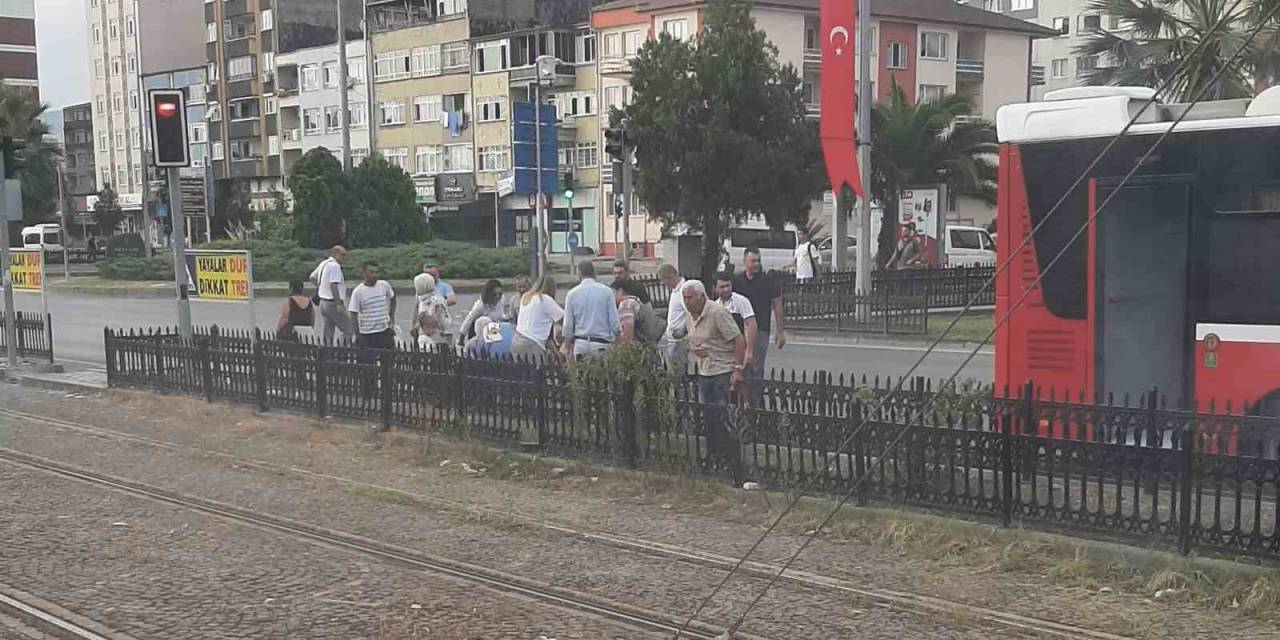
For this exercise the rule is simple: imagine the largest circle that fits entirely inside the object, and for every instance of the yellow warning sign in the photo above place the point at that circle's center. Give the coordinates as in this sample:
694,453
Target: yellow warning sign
25,268
219,276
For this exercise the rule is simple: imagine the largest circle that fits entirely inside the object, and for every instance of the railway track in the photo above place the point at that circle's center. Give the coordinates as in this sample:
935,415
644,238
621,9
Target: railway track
29,617
887,598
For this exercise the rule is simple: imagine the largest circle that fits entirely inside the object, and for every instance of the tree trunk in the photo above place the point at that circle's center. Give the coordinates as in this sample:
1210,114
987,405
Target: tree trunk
711,231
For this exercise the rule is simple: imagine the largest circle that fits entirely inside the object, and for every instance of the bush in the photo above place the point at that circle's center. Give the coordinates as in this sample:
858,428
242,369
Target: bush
281,262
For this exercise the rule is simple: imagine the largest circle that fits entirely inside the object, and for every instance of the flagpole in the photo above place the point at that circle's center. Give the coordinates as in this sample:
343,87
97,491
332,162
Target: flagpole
863,129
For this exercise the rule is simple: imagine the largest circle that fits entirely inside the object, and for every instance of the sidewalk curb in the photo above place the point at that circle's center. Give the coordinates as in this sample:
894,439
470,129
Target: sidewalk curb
876,341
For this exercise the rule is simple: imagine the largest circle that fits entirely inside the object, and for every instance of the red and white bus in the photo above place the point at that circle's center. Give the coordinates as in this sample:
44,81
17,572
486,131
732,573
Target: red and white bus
1176,285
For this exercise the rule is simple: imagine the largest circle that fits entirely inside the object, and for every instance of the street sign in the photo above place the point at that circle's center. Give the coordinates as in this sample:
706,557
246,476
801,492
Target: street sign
222,276
26,270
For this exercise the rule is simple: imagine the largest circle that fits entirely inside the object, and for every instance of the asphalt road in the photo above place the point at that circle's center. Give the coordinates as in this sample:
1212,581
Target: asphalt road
78,324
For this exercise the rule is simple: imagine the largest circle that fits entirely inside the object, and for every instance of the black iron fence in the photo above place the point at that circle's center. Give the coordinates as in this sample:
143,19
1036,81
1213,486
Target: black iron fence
34,335
899,302
1138,471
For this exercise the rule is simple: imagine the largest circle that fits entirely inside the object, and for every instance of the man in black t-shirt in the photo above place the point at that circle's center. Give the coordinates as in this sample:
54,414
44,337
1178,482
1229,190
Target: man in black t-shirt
765,295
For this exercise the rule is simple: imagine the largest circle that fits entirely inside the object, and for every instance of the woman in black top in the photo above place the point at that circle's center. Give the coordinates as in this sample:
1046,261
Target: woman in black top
297,311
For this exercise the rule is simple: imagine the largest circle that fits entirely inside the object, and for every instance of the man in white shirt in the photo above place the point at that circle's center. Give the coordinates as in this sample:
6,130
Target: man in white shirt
373,305
331,288
674,348
806,258
739,307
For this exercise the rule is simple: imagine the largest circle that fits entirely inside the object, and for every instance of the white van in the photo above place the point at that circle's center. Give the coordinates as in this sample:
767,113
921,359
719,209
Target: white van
46,236
969,247
777,248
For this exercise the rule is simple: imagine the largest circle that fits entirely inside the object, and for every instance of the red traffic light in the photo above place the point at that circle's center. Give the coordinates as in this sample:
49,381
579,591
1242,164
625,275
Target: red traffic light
166,109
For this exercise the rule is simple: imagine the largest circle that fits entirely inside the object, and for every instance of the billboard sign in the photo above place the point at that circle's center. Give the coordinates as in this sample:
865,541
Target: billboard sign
223,276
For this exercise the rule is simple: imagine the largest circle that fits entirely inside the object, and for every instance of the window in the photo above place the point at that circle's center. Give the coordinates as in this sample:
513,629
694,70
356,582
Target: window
135,139
104,141
393,112
1022,5
678,28
311,120
199,132
931,92
99,68
588,155
490,108
425,61
113,29
115,65
896,57
613,45
117,102
216,152
214,114
268,19
454,55
1114,23
575,103
133,100
358,156
102,105
309,79
811,42
268,62
357,117
243,109
212,71
97,33
449,7
120,141
933,45
273,145
106,176
273,104
122,173
630,43
1086,64
240,68
1058,68
1062,25
966,239
330,72
566,157
195,93
454,102
247,149
584,45
618,97
131,64
398,156
495,158
1090,23
426,109
355,70
458,158
130,26
428,159
391,65
332,118
492,56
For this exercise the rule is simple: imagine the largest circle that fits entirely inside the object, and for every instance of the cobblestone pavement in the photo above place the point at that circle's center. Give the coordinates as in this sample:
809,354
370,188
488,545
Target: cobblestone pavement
288,440
156,571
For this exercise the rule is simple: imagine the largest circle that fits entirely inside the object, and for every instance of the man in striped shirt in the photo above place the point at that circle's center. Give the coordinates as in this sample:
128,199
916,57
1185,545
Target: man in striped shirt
373,305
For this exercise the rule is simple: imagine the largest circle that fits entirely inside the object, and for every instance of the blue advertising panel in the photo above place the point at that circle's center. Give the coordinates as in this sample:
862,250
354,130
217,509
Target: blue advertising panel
524,160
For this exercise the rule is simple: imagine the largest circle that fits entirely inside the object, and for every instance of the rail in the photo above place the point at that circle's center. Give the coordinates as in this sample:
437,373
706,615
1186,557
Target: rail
1141,470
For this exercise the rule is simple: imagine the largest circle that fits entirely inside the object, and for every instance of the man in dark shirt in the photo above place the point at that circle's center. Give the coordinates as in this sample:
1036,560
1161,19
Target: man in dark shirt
765,295
622,273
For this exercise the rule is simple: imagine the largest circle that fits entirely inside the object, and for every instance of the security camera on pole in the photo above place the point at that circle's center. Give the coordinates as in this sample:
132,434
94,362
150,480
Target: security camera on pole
169,148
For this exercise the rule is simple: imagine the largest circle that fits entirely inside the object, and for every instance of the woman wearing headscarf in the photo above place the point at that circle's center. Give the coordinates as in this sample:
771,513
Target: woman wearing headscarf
429,302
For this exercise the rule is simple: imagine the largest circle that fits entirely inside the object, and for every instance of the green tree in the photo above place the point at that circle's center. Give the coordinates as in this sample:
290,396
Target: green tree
20,113
1176,40
386,210
322,199
107,213
721,130
924,143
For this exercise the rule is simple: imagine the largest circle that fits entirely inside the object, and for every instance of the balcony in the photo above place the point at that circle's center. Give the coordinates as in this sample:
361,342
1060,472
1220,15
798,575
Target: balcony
812,109
1037,75
565,75
813,57
291,139
615,67
968,67
391,18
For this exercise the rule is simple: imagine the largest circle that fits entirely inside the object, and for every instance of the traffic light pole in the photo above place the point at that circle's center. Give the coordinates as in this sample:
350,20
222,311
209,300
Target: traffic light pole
626,206
342,92
179,223
10,314
865,240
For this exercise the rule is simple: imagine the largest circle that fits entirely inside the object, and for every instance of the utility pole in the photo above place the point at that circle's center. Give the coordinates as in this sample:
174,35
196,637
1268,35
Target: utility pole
342,91
62,216
627,158
369,111
10,314
539,229
864,147
179,237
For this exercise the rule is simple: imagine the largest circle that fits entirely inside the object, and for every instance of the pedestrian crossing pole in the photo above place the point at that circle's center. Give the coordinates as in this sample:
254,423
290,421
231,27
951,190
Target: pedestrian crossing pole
10,315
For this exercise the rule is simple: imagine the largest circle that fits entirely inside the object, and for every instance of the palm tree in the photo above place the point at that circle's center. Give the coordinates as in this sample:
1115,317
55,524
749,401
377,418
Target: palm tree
1176,41
928,143
20,113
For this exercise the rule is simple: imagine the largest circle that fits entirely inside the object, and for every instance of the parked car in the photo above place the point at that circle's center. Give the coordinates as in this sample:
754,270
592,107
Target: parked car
851,252
969,247
777,248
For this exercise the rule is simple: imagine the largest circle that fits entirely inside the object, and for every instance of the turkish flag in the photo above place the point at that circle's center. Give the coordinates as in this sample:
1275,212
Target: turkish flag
839,140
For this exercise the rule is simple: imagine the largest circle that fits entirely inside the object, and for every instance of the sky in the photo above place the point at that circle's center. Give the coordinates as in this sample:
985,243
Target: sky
62,49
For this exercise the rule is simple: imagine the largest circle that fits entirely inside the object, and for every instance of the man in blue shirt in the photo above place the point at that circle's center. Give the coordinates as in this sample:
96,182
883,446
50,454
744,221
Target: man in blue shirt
590,315
443,289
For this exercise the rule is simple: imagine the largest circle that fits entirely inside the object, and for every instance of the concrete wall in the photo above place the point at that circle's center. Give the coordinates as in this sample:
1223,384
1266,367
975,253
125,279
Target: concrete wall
785,30
410,134
906,78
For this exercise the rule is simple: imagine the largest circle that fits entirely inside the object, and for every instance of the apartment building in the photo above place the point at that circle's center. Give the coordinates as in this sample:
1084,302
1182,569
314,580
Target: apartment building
1071,22
310,102
117,102
78,175
929,48
243,38
18,44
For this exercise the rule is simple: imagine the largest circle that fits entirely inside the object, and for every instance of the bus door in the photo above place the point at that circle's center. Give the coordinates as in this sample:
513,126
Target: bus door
1140,293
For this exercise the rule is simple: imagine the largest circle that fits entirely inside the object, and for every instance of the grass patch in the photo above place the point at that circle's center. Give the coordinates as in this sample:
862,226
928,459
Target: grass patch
972,327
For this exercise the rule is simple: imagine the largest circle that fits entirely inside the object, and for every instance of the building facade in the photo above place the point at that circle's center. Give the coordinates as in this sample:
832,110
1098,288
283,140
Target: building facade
18,44
79,175
117,103
310,100
1071,22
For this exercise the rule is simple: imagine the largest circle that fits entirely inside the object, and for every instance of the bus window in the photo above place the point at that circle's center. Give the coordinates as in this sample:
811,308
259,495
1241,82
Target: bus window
1239,264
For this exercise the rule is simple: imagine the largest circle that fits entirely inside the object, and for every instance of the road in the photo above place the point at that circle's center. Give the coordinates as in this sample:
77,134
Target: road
78,323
